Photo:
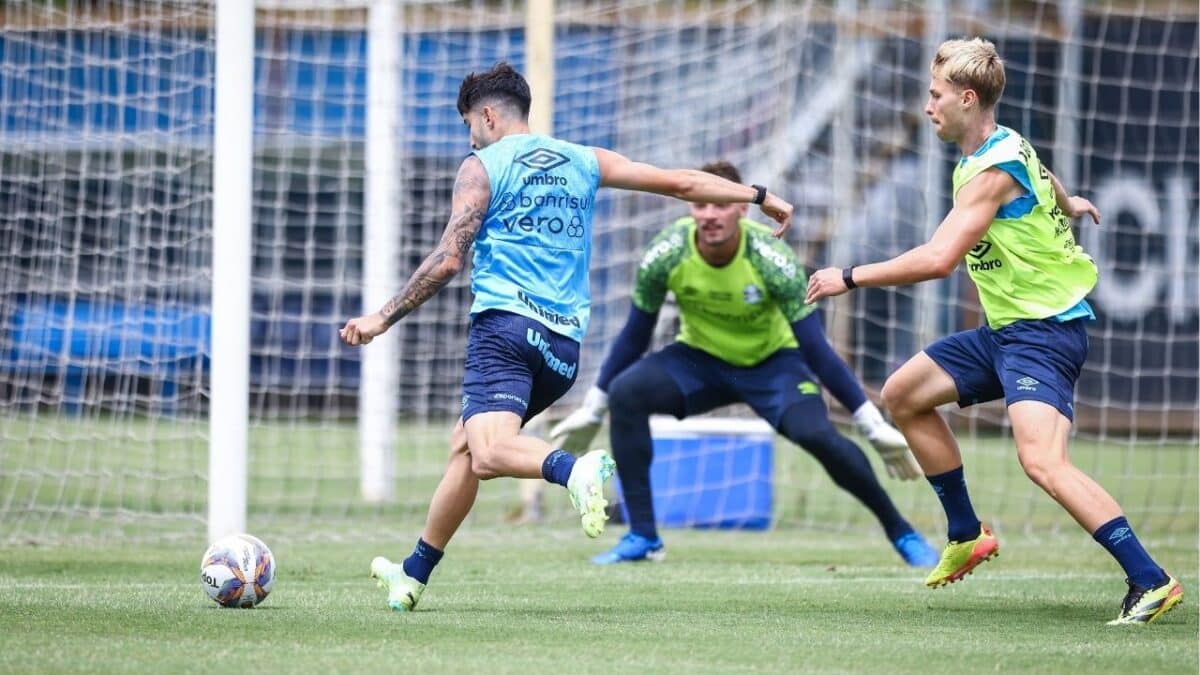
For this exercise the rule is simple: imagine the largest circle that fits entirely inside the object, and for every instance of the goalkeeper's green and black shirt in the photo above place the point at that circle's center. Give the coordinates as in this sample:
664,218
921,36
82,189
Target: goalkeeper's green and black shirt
740,312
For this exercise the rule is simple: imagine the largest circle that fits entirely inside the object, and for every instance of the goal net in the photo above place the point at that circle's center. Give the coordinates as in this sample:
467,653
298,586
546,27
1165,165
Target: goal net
106,155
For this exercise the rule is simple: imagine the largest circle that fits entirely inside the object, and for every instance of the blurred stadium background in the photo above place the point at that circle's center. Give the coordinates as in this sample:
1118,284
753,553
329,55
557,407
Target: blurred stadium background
106,221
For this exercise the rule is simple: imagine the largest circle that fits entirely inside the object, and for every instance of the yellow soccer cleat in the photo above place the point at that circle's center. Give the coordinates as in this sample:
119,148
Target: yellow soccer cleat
1145,605
960,558
403,590
586,486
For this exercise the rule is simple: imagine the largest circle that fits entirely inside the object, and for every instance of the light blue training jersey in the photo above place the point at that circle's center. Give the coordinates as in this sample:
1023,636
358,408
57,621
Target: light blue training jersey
533,249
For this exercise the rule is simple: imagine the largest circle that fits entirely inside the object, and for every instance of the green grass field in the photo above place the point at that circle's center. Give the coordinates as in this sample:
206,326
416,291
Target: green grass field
72,479
525,600
102,528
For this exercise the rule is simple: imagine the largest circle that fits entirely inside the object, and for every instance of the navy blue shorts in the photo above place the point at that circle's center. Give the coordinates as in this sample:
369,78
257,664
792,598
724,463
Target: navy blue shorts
1024,361
770,387
516,364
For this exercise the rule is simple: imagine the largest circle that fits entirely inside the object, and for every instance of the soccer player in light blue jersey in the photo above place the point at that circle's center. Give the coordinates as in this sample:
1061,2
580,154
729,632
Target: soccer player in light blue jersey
525,201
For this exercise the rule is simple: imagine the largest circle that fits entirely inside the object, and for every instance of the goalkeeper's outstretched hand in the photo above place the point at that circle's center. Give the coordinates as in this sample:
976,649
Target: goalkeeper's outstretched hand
575,433
893,449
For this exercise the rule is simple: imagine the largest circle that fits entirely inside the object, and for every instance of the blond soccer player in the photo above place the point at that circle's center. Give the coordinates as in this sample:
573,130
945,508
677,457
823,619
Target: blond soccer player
1011,221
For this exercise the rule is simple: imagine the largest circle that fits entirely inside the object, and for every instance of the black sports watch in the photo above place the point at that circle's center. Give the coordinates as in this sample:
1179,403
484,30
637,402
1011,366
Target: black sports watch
848,277
761,195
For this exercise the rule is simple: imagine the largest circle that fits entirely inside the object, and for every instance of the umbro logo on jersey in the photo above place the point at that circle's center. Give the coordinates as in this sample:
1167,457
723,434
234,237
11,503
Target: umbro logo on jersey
544,179
542,159
1027,384
978,252
981,249
808,388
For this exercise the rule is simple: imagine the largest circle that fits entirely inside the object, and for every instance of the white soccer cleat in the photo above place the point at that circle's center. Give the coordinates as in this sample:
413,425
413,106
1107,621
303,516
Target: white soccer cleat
586,487
403,590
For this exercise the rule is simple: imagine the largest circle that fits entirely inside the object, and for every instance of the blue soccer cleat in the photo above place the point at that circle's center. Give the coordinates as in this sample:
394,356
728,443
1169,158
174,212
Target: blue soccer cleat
916,551
632,548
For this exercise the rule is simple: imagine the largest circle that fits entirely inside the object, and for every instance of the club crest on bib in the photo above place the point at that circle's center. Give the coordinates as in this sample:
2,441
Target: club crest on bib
752,294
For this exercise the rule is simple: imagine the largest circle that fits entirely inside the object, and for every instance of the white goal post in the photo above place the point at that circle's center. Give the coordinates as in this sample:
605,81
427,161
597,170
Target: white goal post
378,401
233,160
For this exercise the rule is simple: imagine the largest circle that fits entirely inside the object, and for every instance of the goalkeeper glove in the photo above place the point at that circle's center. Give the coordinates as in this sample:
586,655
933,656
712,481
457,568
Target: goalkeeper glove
888,442
575,432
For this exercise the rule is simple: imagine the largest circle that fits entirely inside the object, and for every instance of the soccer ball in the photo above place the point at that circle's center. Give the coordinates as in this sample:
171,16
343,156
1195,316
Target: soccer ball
237,571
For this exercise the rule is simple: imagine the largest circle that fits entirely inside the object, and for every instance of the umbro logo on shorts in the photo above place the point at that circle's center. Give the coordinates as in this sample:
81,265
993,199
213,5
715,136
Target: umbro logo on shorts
1027,384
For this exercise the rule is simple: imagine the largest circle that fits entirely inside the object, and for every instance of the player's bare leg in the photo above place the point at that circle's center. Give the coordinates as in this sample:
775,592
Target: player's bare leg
455,494
498,449
912,395
452,501
531,490
1042,432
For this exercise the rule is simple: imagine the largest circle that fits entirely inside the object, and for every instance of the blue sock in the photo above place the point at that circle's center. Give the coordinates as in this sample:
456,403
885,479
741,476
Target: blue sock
951,487
557,466
1119,540
422,561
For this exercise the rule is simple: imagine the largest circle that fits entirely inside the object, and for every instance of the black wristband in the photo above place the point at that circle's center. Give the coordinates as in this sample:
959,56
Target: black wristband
848,277
761,195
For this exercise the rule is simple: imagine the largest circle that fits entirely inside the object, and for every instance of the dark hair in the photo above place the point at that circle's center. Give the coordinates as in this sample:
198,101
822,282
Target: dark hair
501,84
723,169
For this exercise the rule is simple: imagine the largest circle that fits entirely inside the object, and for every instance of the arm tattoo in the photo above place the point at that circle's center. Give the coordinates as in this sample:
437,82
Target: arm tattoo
469,206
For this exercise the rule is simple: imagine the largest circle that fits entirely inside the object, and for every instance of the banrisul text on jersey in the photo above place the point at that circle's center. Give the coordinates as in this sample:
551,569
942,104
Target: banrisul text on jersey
533,249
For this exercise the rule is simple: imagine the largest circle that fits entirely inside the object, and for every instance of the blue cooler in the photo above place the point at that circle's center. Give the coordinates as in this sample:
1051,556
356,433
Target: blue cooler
712,472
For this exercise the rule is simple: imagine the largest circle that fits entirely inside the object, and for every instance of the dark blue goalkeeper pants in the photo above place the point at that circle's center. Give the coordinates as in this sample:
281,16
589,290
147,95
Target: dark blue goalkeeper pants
682,381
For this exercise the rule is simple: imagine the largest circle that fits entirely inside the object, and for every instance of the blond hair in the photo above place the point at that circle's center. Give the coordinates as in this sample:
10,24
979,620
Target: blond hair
971,64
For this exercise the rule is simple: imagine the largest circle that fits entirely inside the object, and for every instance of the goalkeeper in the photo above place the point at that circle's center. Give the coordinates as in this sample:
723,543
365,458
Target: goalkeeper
745,336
